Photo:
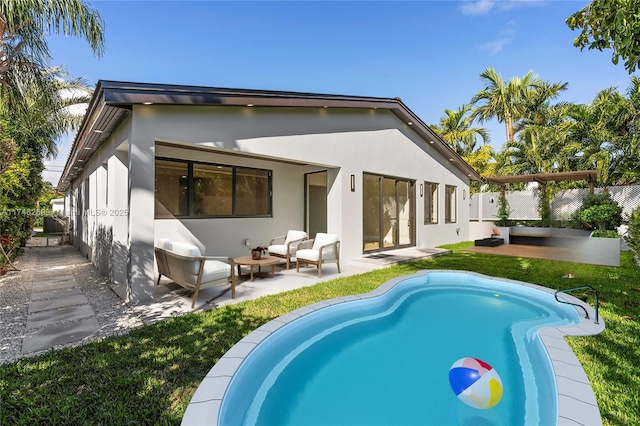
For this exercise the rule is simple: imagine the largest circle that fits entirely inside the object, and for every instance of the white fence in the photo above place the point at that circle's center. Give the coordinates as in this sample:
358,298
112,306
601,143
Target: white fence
524,204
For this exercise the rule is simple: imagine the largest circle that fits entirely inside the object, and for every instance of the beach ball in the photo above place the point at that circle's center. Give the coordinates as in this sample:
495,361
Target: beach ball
475,383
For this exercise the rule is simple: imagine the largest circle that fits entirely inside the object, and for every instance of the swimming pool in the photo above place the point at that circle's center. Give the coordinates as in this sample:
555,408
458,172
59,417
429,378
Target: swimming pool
384,357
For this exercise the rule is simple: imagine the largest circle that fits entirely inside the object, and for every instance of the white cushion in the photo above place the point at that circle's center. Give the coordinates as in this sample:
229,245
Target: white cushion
294,236
189,250
308,254
185,249
279,249
322,239
215,270
164,243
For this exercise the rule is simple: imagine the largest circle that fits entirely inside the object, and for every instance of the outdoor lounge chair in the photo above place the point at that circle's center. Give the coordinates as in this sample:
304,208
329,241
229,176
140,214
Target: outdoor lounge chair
324,248
287,250
184,264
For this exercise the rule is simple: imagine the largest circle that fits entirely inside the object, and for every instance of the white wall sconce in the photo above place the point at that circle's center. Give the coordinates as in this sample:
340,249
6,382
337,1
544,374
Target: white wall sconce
464,194
353,183
421,189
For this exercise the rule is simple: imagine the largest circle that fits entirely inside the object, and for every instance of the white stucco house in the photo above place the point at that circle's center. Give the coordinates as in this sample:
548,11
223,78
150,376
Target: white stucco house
215,167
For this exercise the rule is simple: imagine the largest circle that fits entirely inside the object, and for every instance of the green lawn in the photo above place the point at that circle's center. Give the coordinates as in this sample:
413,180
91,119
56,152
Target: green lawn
149,375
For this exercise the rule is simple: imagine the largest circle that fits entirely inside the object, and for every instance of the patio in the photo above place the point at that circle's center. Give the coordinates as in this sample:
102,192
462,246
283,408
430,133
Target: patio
172,300
562,254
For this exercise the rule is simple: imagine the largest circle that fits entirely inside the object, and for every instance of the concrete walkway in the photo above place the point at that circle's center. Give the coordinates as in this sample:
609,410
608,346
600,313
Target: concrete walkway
59,312
56,299
59,299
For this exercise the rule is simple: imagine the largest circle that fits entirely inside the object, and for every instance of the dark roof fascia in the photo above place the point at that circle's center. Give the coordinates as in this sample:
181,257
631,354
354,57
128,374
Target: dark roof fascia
588,175
126,94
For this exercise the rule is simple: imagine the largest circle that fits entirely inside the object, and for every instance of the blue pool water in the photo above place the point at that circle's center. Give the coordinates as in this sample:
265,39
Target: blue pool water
385,360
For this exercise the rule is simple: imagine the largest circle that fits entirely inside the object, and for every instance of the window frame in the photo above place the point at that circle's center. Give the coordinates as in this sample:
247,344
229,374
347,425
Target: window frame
428,209
448,199
191,187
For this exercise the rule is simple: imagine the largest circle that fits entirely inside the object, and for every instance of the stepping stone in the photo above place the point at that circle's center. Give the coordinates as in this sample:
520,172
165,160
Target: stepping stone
47,276
52,277
61,302
47,286
53,294
62,334
44,318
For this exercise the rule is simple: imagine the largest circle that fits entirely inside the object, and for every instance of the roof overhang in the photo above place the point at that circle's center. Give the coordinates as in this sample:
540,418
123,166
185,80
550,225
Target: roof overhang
588,175
113,100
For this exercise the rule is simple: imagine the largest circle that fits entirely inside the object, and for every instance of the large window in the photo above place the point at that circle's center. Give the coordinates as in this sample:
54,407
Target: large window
212,190
171,188
449,204
191,189
430,203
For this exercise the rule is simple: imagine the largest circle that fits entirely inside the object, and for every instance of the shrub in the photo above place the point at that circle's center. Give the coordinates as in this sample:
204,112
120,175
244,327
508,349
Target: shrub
609,217
605,234
503,210
633,237
601,216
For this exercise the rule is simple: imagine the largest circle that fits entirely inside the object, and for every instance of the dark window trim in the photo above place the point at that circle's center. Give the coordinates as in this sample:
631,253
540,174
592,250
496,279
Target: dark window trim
190,164
447,200
436,200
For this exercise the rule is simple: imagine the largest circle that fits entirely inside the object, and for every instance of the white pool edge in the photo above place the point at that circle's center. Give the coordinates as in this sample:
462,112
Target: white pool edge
577,404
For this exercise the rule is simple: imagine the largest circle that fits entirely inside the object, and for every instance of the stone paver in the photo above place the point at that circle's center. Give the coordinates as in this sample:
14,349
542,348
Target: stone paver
44,285
50,277
45,318
61,302
63,292
60,334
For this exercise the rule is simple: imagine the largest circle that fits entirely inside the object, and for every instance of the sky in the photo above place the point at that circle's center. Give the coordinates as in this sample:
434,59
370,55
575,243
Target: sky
428,53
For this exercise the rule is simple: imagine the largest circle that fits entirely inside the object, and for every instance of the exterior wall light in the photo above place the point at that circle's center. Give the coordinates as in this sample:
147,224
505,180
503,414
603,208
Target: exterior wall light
353,183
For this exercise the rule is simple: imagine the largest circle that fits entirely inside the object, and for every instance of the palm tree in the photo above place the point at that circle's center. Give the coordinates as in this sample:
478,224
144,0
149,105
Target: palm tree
537,103
526,98
33,104
47,114
455,129
503,101
24,25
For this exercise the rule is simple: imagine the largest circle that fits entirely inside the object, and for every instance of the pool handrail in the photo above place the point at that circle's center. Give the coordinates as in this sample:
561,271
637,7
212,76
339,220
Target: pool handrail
595,293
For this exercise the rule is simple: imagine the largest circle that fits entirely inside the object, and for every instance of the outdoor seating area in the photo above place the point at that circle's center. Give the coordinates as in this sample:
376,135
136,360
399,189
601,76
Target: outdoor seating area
251,262
324,248
287,250
187,267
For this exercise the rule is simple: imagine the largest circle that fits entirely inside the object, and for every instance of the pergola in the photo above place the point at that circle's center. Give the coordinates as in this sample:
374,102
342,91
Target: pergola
544,178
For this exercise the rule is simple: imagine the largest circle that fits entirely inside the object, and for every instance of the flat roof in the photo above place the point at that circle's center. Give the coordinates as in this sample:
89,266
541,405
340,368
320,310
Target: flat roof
113,100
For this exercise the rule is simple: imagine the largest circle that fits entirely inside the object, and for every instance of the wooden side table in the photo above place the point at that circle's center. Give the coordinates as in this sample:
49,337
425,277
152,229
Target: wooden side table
250,262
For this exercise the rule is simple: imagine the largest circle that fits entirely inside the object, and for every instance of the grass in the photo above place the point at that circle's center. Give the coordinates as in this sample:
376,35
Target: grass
149,375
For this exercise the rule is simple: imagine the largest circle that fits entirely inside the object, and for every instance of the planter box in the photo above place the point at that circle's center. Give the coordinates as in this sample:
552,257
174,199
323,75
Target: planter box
581,248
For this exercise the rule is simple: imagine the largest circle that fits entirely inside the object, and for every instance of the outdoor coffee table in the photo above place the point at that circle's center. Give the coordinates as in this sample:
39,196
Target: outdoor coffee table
250,262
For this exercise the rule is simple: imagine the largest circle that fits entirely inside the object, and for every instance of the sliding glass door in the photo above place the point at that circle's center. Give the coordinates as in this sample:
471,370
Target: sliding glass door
388,212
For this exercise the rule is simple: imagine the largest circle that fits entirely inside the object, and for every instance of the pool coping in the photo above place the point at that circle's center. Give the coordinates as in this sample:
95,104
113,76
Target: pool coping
577,404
